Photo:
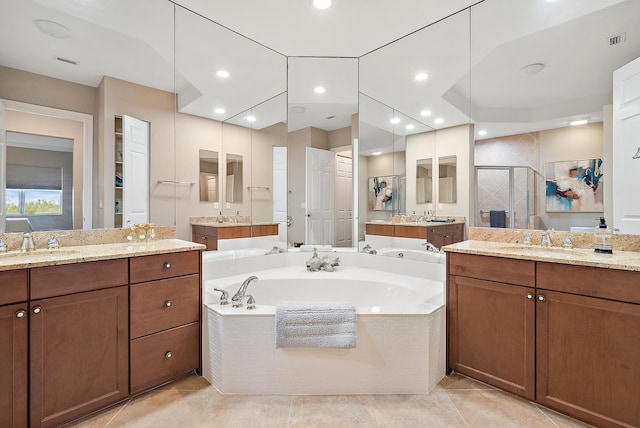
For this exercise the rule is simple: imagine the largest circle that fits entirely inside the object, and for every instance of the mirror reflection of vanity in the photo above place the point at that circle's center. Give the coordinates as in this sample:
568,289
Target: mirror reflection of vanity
465,60
424,181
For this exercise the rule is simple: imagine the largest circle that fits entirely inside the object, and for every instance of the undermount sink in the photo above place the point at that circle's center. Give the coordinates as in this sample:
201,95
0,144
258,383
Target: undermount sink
38,253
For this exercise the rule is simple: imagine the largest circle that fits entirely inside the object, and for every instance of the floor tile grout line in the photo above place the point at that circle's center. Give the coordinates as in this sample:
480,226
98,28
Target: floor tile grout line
545,413
117,413
457,410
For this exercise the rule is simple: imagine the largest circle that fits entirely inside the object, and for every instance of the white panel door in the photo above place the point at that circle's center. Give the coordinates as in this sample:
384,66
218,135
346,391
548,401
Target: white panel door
135,192
344,202
626,148
280,191
320,197
3,167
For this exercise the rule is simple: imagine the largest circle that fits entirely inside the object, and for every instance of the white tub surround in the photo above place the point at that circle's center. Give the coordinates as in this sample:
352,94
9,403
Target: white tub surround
400,327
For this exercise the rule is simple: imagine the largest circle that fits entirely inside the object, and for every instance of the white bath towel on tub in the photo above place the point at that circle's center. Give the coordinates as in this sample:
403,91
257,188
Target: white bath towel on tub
315,325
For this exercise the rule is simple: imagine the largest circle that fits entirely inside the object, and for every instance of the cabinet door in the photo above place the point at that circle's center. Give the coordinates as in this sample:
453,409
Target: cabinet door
588,358
79,354
14,329
491,333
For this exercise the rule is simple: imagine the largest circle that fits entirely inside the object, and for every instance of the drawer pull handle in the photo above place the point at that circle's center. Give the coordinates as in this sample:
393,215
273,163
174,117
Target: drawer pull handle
529,296
37,309
541,297
168,355
21,313
167,265
168,303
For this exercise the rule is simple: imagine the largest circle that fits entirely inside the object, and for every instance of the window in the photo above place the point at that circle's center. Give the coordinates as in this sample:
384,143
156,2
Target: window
21,202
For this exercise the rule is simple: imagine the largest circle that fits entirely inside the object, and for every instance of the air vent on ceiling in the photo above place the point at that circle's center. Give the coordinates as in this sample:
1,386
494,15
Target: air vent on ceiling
617,39
68,61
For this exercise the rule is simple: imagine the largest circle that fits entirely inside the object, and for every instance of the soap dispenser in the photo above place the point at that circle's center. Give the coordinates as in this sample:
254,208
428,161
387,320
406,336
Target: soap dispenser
602,238
220,218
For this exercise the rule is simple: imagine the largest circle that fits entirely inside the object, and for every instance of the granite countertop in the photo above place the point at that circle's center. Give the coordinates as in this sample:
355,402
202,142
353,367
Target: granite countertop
623,260
87,253
214,223
413,223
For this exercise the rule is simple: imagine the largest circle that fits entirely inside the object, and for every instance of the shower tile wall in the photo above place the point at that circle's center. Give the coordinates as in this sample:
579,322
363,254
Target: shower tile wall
493,186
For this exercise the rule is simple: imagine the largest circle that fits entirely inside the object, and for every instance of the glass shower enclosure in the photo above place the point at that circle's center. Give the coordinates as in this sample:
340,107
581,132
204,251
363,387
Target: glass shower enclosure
506,196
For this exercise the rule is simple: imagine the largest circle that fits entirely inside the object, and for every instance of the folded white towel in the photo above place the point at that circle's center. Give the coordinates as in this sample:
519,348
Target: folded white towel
318,248
315,325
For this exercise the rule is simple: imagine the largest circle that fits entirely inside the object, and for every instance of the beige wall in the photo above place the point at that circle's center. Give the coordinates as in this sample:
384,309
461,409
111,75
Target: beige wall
297,142
456,141
31,88
118,97
44,125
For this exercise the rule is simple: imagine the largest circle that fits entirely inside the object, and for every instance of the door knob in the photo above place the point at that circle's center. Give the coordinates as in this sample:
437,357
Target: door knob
541,297
529,296
37,309
21,313
167,265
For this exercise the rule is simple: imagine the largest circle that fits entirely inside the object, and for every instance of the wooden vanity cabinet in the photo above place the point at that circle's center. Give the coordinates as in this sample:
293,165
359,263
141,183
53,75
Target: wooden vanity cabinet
79,341
588,348
14,340
379,229
443,234
491,314
165,314
207,236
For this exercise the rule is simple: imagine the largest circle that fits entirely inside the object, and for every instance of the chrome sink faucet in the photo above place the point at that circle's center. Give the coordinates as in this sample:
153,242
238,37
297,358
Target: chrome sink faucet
236,300
52,243
428,246
3,246
546,239
28,244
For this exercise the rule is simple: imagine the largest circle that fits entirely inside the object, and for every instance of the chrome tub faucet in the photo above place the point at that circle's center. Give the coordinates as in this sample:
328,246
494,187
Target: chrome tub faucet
428,246
236,300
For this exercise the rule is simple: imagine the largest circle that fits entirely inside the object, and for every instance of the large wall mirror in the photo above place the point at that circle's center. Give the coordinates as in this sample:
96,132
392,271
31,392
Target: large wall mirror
209,181
542,93
322,125
412,108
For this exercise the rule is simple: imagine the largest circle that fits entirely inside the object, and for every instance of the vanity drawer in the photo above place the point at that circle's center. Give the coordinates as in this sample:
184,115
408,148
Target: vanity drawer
49,281
379,229
498,269
419,232
613,284
13,286
161,266
163,304
163,356
264,230
232,232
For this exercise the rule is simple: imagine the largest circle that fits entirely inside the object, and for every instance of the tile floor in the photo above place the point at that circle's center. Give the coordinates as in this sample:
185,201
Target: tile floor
456,402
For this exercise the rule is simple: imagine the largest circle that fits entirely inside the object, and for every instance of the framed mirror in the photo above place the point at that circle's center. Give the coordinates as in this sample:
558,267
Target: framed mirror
233,179
424,181
209,181
447,180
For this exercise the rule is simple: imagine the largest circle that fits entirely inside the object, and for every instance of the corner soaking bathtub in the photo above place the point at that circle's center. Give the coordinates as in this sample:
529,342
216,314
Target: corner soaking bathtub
400,326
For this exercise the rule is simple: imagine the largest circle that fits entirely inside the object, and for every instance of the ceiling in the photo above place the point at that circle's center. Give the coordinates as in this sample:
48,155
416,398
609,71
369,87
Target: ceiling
479,83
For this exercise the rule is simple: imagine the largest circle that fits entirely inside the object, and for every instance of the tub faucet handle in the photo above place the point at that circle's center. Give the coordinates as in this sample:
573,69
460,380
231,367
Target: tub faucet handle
224,297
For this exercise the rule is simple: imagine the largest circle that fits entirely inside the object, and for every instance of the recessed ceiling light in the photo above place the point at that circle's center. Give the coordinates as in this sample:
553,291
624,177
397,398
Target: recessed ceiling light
376,153
409,127
425,113
421,76
531,69
395,120
53,29
322,4
298,109
578,122
223,74
250,119
482,132
319,90
438,120
219,110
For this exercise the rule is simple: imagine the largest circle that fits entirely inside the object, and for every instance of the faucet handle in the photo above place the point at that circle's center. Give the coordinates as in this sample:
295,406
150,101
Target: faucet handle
52,243
224,297
568,242
3,246
28,243
526,239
